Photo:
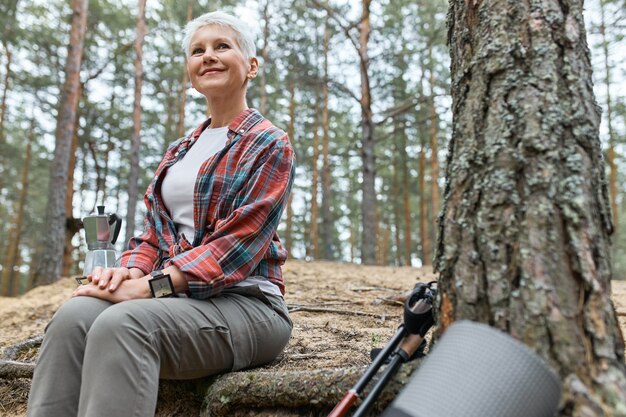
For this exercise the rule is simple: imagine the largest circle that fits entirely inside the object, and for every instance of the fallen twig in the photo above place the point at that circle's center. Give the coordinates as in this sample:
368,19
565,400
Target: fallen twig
299,356
329,303
295,308
364,289
388,301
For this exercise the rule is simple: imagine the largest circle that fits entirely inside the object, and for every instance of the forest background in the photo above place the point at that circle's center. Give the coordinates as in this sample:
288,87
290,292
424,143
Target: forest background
367,108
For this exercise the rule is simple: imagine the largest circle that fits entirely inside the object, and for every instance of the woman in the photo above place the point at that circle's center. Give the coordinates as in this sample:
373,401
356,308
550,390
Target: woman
212,211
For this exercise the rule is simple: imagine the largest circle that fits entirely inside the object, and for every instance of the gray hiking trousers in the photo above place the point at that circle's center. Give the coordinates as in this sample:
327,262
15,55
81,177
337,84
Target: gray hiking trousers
103,359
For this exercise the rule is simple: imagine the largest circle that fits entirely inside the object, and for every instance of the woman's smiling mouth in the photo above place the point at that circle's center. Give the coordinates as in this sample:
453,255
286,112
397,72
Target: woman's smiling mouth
211,71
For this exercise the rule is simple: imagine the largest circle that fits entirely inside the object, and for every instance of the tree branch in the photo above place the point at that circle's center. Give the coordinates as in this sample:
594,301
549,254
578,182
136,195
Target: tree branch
99,71
332,14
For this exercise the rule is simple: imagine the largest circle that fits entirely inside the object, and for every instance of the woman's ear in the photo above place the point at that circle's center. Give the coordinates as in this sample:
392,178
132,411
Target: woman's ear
254,68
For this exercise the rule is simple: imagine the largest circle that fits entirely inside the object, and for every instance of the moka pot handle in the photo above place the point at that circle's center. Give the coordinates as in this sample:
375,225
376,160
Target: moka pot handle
114,218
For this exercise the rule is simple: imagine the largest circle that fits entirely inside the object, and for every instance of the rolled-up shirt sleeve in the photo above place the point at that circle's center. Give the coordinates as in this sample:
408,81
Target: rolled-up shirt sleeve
243,238
143,252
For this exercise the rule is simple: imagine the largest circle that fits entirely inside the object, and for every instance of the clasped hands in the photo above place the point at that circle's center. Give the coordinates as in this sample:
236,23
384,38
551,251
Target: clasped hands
115,284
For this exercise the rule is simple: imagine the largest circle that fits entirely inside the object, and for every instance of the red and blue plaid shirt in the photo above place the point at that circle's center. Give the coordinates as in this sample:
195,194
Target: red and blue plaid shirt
239,197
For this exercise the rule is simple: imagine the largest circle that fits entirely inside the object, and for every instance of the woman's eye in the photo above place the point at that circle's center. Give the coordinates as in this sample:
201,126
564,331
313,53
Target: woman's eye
196,51
223,46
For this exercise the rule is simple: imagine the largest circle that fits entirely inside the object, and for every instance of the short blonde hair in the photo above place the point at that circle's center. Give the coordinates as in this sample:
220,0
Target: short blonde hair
245,37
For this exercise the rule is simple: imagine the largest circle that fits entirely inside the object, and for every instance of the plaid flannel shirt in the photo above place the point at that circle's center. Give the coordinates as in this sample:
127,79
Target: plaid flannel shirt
239,197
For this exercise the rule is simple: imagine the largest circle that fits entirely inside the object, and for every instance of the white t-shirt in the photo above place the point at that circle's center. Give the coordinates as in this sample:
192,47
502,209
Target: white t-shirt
179,183
180,180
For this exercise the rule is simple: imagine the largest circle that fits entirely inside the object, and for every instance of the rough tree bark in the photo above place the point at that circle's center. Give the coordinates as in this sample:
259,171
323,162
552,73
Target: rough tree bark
524,241
133,178
49,269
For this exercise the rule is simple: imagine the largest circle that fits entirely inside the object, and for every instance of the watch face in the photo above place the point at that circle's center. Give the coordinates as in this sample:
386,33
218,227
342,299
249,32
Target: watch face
161,286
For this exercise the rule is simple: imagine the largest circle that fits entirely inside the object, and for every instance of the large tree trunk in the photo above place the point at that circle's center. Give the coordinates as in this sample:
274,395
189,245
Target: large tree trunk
133,179
10,285
49,269
368,201
327,220
524,242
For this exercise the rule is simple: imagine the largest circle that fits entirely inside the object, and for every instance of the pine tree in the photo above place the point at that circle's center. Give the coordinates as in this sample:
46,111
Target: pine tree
524,241
49,268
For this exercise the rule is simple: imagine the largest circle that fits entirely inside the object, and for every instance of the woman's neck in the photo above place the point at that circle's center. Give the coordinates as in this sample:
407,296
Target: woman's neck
224,111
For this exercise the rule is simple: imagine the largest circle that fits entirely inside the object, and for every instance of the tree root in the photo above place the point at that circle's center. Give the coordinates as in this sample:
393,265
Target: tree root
25,351
14,370
239,392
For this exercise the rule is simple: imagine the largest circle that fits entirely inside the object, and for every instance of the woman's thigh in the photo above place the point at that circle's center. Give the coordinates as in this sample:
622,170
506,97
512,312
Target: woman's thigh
196,338
259,325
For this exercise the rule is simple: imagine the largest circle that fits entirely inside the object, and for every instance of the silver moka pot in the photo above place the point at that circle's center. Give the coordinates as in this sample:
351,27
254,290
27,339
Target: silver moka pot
101,231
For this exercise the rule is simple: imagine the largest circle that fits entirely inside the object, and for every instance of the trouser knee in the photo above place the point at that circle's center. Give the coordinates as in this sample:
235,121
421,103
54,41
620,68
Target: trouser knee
75,317
120,323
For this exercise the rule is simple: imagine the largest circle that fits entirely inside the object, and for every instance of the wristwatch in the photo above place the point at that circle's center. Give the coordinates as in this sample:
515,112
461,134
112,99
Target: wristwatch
161,285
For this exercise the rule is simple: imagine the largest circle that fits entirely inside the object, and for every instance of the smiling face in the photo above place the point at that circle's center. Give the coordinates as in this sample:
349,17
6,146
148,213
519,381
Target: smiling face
216,65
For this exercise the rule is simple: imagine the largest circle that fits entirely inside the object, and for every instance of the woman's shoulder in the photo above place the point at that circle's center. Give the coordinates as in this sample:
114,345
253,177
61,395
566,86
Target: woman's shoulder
268,133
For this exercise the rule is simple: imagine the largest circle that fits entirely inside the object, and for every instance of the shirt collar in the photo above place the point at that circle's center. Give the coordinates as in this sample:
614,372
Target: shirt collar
240,125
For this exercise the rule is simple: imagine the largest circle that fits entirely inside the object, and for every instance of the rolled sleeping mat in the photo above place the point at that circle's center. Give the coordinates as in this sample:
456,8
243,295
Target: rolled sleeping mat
478,371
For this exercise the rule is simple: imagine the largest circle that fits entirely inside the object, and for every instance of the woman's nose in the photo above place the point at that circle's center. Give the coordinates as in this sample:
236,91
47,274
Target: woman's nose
209,55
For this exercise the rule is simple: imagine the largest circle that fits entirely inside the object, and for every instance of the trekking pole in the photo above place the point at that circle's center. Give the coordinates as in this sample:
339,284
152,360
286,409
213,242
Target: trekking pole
352,395
417,320
401,355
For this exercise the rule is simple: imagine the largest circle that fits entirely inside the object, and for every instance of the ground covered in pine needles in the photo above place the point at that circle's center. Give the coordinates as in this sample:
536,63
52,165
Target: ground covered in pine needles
340,312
